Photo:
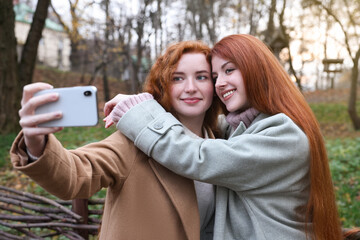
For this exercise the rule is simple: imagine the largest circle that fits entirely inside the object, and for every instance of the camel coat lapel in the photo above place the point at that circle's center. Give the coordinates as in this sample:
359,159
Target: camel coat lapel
185,204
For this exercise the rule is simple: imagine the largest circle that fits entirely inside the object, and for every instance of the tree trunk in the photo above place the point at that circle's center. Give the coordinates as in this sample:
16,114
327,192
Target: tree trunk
136,81
13,76
287,40
353,92
75,57
106,84
106,54
77,64
28,58
137,65
269,33
9,94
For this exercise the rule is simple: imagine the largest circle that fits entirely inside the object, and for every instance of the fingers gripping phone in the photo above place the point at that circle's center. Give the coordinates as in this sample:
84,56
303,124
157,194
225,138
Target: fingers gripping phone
77,104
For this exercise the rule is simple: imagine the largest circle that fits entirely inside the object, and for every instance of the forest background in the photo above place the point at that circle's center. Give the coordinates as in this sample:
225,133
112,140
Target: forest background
114,42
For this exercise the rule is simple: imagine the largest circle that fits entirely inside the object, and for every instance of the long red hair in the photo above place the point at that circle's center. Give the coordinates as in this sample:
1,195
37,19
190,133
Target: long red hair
159,79
270,90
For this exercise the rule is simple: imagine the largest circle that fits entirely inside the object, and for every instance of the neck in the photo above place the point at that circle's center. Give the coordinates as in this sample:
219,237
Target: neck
195,125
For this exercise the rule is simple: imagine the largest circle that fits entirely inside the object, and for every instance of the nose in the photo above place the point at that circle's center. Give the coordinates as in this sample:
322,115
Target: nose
190,85
220,82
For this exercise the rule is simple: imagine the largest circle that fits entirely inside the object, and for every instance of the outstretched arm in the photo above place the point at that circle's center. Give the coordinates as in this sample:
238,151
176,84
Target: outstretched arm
81,172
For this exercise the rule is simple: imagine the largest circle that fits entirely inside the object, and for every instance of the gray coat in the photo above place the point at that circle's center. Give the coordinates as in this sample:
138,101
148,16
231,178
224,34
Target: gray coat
261,172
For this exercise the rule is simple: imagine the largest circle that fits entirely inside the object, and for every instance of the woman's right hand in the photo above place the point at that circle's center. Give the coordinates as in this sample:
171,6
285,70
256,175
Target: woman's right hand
34,136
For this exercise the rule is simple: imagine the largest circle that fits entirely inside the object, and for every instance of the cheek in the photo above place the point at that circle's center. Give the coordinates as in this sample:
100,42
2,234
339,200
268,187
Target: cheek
209,92
173,91
217,92
208,89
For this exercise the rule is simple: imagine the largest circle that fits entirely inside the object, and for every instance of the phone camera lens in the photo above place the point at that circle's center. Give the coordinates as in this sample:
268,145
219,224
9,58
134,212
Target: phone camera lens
87,93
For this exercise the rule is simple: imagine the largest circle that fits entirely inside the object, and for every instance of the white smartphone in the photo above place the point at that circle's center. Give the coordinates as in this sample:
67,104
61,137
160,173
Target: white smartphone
77,104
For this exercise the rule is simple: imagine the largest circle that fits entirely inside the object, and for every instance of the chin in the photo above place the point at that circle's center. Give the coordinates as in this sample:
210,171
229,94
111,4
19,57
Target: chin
231,109
237,107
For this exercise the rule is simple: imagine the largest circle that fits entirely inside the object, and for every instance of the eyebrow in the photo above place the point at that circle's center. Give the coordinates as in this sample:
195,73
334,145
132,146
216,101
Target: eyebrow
203,71
222,66
197,72
178,73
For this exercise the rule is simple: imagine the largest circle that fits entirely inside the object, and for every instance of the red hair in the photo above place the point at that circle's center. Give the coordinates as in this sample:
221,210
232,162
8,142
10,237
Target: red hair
159,79
270,90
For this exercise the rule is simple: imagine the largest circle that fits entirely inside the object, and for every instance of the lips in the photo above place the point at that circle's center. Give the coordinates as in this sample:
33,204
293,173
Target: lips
191,100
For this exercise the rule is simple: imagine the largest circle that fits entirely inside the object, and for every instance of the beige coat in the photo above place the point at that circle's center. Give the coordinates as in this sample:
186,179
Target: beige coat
144,200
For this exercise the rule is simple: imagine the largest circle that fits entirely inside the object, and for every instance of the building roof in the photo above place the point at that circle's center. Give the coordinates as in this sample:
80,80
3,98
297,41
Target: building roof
23,13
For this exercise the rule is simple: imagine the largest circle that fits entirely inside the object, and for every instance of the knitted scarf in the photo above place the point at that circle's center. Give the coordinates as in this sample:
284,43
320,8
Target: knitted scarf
247,116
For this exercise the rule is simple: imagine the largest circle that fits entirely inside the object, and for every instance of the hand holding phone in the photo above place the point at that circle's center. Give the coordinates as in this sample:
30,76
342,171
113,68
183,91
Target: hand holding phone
42,97
77,104
35,136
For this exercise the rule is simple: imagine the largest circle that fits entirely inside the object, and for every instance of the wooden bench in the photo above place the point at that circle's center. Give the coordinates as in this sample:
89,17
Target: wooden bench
28,215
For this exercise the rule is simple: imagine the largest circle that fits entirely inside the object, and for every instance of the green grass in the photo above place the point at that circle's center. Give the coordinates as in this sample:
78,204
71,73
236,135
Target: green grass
78,136
5,144
344,155
332,112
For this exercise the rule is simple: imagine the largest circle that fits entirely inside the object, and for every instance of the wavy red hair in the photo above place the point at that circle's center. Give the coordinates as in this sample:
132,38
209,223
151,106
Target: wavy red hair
270,90
159,79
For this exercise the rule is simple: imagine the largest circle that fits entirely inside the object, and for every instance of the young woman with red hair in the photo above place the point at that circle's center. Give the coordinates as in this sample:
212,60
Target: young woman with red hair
272,175
144,200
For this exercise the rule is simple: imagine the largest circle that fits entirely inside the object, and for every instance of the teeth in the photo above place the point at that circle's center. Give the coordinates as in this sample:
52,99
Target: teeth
228,93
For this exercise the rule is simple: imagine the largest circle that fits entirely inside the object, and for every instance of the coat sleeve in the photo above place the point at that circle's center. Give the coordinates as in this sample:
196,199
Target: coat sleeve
78,173
271,151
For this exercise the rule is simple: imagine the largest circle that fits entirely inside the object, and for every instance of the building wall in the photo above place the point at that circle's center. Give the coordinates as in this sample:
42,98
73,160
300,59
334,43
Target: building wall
54,47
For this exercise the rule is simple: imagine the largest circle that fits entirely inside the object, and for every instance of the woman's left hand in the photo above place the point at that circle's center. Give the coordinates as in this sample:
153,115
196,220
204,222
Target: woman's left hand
120,104
109,106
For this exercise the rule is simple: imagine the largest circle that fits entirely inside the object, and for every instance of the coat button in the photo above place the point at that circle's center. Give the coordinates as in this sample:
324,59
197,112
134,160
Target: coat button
158,126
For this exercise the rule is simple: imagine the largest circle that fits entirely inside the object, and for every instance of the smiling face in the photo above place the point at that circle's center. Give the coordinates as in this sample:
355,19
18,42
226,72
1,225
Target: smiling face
229,84
191,89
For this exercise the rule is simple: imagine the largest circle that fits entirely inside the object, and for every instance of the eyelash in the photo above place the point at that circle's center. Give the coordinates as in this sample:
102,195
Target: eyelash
229,70
201,77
